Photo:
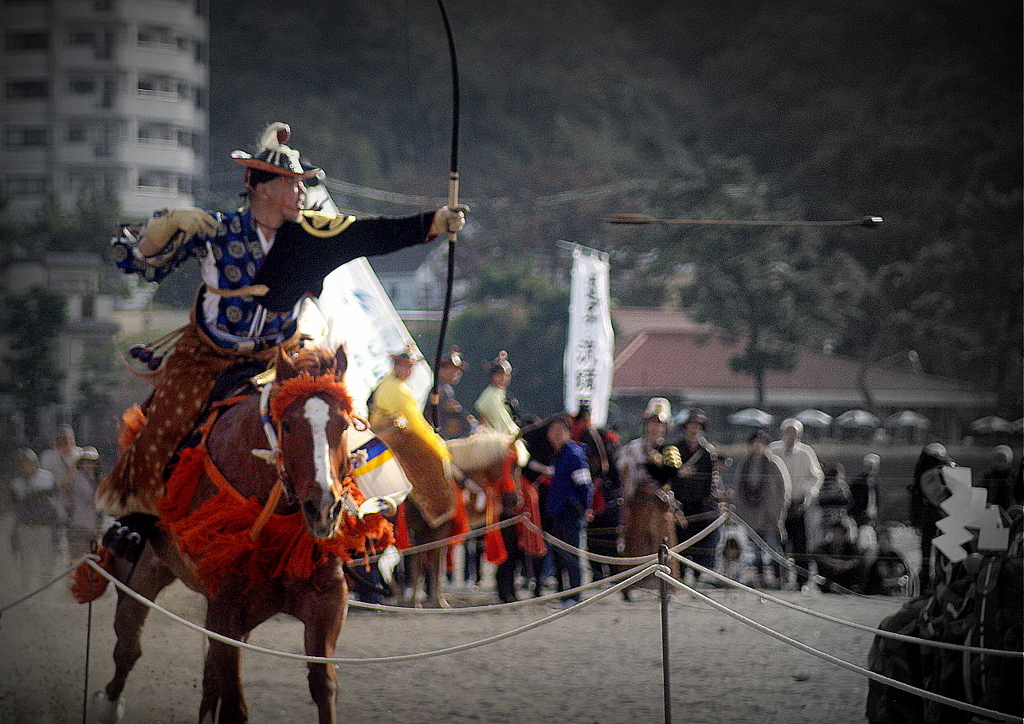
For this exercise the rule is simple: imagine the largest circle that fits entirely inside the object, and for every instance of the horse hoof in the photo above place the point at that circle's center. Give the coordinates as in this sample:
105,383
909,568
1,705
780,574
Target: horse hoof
105,711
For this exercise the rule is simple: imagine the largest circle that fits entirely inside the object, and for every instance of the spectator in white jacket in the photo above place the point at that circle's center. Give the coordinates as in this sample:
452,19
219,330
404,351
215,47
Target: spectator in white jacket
805,478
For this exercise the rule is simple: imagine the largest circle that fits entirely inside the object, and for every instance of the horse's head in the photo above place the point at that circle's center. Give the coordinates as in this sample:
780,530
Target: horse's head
311,411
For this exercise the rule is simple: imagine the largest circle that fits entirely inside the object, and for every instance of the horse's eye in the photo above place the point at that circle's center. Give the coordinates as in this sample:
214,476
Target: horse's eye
285,426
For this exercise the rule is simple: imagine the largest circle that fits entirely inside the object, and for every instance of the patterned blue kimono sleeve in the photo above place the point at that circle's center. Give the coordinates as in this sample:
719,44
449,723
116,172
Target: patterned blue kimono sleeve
153,269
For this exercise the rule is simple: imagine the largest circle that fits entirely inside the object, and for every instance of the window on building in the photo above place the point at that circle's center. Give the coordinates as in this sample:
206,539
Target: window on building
157,35
25,137
155,133
78,133
82,38
20,90
82,85
27,185
109,92
160,86
26,41
200,52
88,306
157,181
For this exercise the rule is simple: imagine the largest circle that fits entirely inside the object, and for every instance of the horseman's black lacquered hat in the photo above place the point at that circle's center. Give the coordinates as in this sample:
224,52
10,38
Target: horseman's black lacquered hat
453,359
499,364
409,354
277,158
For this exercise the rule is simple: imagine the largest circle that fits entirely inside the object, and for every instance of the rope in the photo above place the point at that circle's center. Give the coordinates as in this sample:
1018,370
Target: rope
635,560
836,660
474,533
68,571
859,626
375,659
763,546
501,606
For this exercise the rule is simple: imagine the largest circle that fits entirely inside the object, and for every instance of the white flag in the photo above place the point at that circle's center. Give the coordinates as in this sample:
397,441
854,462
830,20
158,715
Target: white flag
360,316
589,348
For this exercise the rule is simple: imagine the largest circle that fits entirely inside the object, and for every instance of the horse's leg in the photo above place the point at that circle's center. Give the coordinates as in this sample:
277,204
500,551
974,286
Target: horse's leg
148,577
437,564
223,699
323,614
414,579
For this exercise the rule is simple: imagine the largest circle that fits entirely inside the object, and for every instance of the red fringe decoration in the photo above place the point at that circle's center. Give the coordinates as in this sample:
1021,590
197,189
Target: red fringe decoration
402,541
460,521
88,585
287,391
531,542
215,536
132,421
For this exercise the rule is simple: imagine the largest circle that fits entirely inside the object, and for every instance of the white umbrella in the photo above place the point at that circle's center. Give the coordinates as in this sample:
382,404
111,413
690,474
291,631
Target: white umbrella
908,418
991,425
857,418
751,417
814,418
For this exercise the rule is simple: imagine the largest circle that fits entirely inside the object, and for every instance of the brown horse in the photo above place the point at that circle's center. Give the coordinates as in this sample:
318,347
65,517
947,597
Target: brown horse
257,538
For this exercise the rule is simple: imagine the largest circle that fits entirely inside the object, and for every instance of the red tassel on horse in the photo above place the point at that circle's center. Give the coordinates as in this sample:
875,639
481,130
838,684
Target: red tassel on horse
88,585
402,541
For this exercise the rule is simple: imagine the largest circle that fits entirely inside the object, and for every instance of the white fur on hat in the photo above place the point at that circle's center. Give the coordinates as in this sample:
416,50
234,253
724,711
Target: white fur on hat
659,409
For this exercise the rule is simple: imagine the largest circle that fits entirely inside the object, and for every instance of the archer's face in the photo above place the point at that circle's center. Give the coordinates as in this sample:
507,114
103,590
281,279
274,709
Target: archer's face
286,194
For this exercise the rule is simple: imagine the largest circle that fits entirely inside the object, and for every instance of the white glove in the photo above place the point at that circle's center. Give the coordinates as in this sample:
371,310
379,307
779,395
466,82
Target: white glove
449,219
194,222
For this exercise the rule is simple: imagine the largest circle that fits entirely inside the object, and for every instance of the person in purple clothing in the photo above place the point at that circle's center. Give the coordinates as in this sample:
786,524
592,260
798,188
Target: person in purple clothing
569,499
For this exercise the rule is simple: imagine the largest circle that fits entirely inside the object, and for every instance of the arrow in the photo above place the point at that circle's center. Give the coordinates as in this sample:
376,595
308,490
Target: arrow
869,222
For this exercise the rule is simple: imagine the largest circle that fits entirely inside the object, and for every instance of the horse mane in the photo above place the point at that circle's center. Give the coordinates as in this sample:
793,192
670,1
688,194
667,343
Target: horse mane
313,371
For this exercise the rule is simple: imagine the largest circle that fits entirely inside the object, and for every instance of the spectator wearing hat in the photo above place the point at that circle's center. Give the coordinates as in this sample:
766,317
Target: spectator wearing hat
38,515
805,478
760,498
83,519
61,459
453,421
648,520
998,478
689,467
864,492
927,492
257,265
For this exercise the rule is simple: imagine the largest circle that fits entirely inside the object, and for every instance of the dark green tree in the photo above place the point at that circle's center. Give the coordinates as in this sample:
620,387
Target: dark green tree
770,287
34,321
516,308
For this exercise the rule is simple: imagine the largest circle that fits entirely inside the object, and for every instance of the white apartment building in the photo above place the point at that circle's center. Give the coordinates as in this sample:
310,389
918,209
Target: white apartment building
104,94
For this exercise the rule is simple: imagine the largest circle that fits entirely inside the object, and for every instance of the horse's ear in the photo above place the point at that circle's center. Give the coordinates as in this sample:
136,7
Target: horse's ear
283,364
340,361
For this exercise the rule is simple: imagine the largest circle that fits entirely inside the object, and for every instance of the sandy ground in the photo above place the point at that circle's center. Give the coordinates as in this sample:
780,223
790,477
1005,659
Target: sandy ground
600,664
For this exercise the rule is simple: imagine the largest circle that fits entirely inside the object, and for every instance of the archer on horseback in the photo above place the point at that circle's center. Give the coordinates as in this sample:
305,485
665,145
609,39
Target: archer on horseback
258,263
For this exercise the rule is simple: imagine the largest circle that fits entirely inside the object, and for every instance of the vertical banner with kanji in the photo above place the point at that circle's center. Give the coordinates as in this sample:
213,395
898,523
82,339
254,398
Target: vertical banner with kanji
589,348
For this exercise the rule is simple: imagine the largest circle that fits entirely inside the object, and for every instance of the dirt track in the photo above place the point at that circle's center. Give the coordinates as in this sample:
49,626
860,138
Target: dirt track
602,664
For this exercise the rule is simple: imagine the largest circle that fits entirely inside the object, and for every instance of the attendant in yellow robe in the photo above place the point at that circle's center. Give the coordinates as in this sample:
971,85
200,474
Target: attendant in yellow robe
394,401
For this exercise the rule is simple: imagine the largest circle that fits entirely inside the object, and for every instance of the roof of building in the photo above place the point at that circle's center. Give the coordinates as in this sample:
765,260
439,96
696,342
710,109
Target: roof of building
668,353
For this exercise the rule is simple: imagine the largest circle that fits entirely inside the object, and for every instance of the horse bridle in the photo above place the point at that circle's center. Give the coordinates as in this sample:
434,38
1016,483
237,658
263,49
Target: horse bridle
272,430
